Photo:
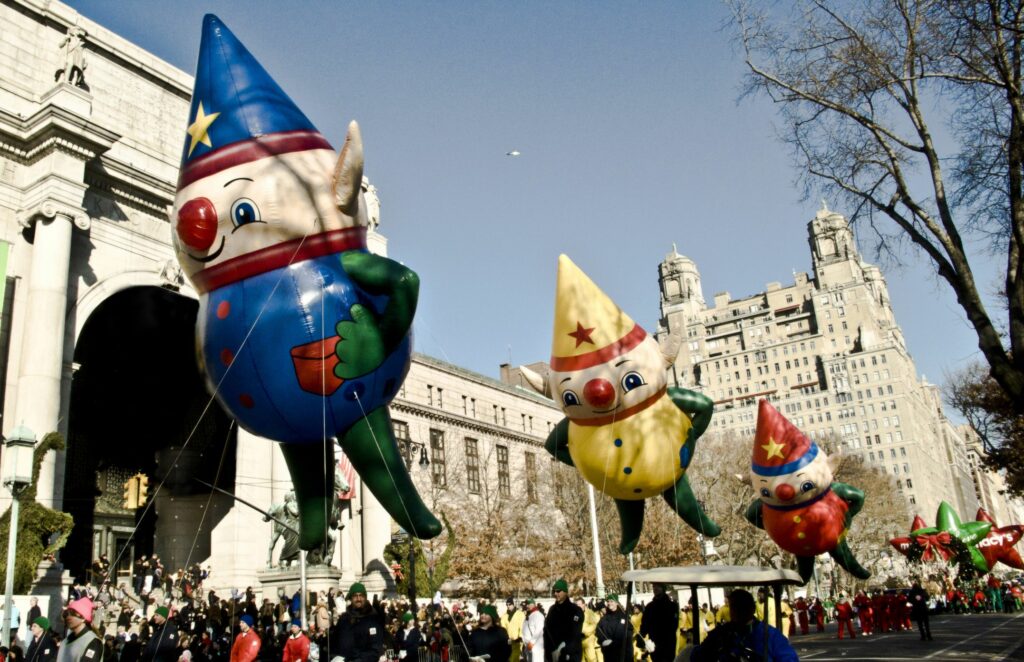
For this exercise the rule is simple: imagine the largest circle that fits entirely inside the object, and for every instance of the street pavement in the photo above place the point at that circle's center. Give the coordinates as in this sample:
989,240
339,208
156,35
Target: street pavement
980,637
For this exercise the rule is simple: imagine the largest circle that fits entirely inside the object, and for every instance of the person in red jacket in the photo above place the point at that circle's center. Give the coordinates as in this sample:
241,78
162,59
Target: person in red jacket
878,613
801,615
296,649
893,611
247,643
844,616
863,604
818,612
904,605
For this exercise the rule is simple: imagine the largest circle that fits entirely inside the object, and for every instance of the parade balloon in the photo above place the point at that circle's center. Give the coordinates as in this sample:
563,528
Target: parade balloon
303,335
998,545
800,507
626,432
961,538
903,545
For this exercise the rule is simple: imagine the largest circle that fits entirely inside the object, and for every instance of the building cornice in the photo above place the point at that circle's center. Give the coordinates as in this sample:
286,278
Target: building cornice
53,128
466,422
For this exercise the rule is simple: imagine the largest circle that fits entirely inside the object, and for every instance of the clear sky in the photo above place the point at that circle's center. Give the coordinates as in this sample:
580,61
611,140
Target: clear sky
631,138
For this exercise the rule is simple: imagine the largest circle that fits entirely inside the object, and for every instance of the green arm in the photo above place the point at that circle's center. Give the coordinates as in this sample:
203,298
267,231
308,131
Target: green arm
558,442
380,276
698,407
852,496
753,514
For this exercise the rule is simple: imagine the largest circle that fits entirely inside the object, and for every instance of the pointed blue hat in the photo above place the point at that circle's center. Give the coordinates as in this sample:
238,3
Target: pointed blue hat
239,113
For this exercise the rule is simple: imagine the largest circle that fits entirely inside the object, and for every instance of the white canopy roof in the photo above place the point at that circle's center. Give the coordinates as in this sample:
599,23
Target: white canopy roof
715,575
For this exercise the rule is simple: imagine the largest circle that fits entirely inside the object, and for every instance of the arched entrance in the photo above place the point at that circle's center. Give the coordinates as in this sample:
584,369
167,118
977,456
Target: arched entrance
139,405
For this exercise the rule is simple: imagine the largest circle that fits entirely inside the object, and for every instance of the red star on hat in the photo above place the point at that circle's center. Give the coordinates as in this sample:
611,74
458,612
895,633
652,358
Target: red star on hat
582,334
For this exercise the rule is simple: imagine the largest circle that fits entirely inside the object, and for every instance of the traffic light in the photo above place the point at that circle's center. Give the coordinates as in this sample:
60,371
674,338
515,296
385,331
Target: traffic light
143,489
131,493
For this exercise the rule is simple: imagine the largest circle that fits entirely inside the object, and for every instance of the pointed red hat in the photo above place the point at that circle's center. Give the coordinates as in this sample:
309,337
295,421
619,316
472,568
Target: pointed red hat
779,446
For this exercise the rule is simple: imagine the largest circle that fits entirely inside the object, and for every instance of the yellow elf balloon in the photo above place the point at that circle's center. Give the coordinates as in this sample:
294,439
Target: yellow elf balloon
627,433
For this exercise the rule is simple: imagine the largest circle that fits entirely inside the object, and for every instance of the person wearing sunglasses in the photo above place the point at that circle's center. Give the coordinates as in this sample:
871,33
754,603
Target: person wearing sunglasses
81,643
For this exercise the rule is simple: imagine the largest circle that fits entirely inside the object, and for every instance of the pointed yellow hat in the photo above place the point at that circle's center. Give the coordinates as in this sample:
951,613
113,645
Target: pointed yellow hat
589,328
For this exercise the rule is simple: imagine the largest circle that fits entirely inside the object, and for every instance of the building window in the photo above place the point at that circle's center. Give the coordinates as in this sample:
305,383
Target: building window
440,398
472,466
912,499
909,483
504,483
531,478
401,429
903,451
465,403
430,395
437,463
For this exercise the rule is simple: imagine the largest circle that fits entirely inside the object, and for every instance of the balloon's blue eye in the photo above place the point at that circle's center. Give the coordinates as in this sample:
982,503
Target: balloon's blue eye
632,380
570,399
806,486
766,493
244,211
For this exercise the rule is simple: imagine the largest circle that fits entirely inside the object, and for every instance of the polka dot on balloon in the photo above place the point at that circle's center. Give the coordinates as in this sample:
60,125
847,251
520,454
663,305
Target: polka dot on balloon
796,518
637,490
801,535
246,400
223,309
226,356
627,470
618,442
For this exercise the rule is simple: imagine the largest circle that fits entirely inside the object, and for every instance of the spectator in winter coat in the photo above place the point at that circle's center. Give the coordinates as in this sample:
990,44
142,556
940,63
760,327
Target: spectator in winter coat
42,647
919,610
615,632
247,643
358,635
744,636
409,638
296,648
81,644
659,624
163,644
488,638
533,634
563,627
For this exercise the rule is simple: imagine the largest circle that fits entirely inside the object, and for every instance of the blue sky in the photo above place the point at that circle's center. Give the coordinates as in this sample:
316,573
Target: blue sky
631,136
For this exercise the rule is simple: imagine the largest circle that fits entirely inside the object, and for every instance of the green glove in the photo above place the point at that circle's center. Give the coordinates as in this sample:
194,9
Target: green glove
361,348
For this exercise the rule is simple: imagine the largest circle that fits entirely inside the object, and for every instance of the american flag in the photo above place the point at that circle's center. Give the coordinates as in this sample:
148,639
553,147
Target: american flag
349,472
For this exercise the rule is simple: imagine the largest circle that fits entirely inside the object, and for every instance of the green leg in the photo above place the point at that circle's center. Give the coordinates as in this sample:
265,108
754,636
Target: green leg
805,566
680,499
313,489
631,518
844,557
370,446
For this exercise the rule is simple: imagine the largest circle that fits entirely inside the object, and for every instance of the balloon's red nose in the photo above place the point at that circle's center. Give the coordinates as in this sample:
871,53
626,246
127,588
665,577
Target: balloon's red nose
599,392
785,492
197,224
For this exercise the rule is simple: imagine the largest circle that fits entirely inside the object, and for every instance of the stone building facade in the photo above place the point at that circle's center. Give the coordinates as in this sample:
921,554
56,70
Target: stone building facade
828,352
96,335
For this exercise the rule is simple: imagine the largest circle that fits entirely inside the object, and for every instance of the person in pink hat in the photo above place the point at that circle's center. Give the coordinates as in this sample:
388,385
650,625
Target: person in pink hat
81,644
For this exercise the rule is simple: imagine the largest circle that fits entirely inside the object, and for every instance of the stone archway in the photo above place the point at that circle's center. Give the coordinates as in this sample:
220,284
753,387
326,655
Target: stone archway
139,404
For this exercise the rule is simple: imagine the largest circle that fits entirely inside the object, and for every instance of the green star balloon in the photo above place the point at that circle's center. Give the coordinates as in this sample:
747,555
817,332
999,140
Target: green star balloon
968,533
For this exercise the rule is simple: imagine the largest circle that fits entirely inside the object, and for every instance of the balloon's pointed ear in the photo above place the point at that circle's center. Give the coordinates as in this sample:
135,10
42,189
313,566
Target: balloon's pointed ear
348,173
537,381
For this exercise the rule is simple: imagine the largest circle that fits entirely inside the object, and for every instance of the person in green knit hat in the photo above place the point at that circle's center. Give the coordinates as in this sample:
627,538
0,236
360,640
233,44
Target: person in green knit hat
488,638
41,648
563,627
358,636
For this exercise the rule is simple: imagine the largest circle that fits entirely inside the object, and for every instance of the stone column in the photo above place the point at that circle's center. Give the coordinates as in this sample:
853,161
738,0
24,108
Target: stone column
239,541
376,529
42,354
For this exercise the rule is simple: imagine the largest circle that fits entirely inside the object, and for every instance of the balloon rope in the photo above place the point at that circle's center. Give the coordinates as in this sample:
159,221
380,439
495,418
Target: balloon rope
391,476
209,403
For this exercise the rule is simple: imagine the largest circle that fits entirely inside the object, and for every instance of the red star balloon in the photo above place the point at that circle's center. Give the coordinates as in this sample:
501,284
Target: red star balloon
902,545
998,545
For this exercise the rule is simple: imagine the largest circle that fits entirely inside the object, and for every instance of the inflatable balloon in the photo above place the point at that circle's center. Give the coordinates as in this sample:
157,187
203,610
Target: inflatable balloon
998,545
799,506
625,431
303,335
961,538
902,545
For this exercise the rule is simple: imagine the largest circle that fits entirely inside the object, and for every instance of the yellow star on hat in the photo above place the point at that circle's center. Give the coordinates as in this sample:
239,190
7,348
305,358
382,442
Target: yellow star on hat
773,448
198,129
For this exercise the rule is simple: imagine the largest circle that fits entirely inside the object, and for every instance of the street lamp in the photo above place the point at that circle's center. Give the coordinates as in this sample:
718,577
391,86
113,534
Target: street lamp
409,448
19,448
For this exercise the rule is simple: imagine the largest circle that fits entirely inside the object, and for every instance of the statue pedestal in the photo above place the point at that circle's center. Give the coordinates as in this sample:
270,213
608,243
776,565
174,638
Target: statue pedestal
286,581
51,586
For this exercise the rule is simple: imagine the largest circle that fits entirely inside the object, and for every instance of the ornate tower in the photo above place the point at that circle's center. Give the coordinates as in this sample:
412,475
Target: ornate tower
681,294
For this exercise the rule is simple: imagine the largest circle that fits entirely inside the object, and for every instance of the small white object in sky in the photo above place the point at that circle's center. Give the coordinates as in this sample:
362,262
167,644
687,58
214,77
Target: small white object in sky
514,152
